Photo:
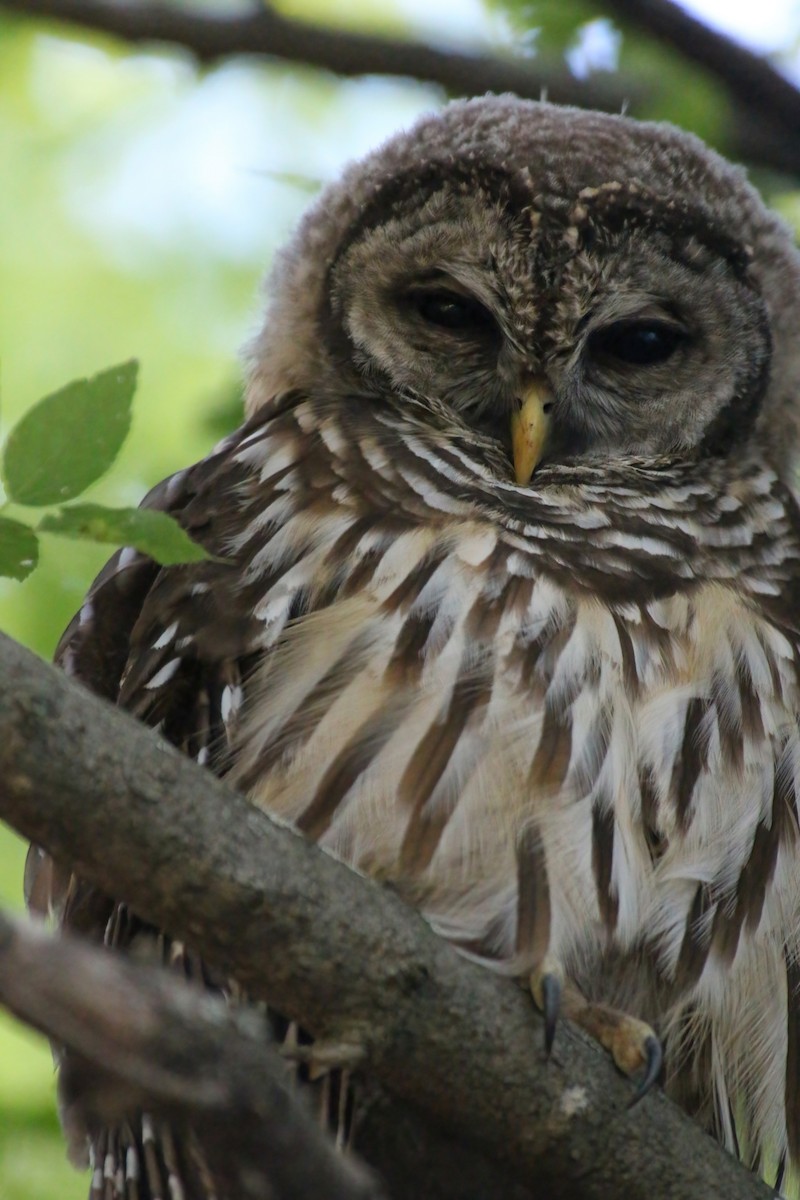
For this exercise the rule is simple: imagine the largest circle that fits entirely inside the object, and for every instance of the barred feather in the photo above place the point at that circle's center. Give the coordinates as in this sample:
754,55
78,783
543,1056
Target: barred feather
479,736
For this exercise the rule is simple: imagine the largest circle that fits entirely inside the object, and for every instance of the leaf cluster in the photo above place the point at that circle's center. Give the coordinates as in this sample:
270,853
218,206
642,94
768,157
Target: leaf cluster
56,451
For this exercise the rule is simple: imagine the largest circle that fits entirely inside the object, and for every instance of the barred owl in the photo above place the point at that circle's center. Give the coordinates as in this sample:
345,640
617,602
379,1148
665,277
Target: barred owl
504,607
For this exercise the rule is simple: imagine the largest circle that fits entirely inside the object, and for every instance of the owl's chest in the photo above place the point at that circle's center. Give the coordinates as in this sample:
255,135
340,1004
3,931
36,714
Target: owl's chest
431,735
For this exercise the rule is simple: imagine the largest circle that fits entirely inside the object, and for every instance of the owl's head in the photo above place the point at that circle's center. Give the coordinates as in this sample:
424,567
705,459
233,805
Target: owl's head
567,284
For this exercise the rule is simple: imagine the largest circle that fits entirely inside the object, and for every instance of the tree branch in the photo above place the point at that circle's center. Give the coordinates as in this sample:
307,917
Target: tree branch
762,130
335,951
213,36
142,1039
147,1041
745,75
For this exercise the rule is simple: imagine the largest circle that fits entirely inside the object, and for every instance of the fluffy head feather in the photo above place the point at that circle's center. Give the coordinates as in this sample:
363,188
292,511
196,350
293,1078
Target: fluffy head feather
524,189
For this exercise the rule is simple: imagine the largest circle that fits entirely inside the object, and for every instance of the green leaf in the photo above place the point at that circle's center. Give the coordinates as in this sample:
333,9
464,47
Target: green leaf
154,533
19,549
69,439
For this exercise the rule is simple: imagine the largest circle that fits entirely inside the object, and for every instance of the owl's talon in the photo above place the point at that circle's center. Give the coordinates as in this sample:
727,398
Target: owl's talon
654,1061
551,1002
547,985
634,1046
323,1056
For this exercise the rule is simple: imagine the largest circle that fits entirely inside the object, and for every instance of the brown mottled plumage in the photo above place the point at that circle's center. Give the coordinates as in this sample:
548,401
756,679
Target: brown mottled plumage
561,716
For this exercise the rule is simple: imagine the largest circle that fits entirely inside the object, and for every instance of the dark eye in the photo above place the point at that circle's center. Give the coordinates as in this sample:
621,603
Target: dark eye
638,343
450,310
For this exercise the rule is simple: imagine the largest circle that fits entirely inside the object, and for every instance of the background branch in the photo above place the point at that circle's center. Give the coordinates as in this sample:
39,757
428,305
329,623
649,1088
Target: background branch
147,1041
210,37
765,105
743,73
335,951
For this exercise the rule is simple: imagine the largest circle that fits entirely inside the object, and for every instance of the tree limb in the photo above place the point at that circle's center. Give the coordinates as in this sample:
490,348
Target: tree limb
146,1040
746,76
210,37
762,130
142,1039
335,951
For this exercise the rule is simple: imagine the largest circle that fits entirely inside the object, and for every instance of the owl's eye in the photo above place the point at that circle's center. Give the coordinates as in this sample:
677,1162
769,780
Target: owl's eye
637,343
451,310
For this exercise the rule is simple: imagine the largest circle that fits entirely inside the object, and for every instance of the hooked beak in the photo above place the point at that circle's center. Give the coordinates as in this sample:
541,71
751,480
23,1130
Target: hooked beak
530,427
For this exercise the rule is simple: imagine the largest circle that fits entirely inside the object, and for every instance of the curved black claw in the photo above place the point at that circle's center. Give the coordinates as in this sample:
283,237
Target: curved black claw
654,1061
551,1004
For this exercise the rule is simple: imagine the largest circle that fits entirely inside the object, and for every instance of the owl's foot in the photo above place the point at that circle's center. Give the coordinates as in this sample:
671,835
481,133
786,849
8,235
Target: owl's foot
634,1046
320,1057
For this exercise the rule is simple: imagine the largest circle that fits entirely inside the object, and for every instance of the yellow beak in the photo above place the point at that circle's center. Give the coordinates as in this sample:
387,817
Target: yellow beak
530,426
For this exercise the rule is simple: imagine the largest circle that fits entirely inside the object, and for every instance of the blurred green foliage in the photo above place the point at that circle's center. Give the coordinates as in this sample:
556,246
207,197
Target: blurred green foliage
141,201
